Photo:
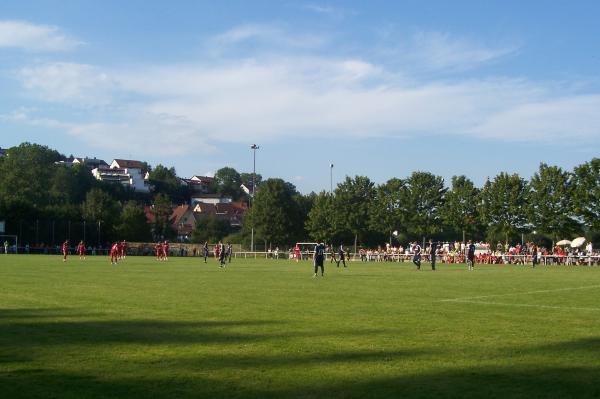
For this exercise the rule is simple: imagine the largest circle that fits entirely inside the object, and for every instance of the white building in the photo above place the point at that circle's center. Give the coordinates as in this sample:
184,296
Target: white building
210,199
123,171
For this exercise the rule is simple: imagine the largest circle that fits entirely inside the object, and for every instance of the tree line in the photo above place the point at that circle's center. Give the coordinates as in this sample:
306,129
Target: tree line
553,204
44,201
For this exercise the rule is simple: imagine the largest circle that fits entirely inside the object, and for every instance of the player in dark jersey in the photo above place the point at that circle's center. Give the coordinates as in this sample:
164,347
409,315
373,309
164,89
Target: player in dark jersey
205,251
341,256
333,255
229,252
319,258
471,255
432,253
222,254
417,256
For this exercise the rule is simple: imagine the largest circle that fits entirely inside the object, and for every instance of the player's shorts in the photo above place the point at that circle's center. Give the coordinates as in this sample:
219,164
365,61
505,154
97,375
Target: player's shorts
319,261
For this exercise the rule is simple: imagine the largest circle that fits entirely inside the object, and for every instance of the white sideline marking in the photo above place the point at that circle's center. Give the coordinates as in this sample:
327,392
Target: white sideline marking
468,298
523,305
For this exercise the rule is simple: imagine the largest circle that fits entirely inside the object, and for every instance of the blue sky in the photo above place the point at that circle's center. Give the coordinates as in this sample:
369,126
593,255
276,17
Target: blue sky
377,88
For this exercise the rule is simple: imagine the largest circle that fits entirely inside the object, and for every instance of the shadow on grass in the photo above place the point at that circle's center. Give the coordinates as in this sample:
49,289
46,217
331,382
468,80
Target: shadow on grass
269,376
489,383
34,327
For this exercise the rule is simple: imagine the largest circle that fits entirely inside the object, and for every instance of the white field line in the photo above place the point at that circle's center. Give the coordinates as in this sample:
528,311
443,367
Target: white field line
524,305
469,298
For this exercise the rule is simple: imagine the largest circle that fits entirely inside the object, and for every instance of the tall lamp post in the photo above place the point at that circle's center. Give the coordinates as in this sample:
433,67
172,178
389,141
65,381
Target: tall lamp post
253,147
330,178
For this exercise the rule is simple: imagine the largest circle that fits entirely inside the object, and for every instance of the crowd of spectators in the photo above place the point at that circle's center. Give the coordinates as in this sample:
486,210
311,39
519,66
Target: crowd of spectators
486,253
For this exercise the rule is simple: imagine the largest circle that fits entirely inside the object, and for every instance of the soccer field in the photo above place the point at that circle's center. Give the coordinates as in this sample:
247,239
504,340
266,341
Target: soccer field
267,329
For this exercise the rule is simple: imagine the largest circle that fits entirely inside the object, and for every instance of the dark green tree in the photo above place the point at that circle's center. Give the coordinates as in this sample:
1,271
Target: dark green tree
133,224
388,210
321,223
210,228
460,210
352,200
165,181
503,205
227,181
423,201
26,172
275,214
100,208
246,179
162,209
551,203
586,193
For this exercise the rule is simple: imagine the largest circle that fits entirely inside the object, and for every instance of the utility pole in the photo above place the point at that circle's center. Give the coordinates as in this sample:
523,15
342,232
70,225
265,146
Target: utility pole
331,178
253,147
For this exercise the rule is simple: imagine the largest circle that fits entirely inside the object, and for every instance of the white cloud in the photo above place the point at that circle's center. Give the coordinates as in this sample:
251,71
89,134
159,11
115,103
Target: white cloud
68,82
567,118
31,37
329,10
439,51
263,37
180,108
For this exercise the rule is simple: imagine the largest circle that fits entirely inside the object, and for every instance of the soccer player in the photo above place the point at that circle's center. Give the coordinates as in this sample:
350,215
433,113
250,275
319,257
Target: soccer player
165,250
229,252
65,250
221,250
119,249
297,252
432,253
159,251
417,256
471,255
114,254
205,251
534,255
318,259
341,256
81,250
123,249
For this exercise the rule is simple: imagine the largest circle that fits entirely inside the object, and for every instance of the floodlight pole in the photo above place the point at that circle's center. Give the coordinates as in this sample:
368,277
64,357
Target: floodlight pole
331,178
253,147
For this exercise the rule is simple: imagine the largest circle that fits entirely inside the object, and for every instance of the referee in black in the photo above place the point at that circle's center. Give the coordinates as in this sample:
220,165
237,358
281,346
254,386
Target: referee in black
318,258
432,252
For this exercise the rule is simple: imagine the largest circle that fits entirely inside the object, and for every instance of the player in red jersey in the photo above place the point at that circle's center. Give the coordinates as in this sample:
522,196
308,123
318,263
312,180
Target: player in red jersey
165,250
65,250
81,250
297,253
123,249
114,254
158,248
118,243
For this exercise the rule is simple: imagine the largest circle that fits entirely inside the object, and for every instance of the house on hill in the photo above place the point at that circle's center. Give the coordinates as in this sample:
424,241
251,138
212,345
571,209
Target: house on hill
210,199
90,163
233,212
182,220
198,184
125,172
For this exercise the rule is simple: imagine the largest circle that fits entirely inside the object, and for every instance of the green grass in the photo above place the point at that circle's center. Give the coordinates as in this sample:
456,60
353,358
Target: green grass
266,329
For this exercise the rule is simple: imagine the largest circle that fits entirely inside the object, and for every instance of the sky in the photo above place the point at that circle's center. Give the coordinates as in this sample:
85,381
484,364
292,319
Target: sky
376,88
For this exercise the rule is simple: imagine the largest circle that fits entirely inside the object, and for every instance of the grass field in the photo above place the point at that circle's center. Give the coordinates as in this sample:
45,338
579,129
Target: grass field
266,329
